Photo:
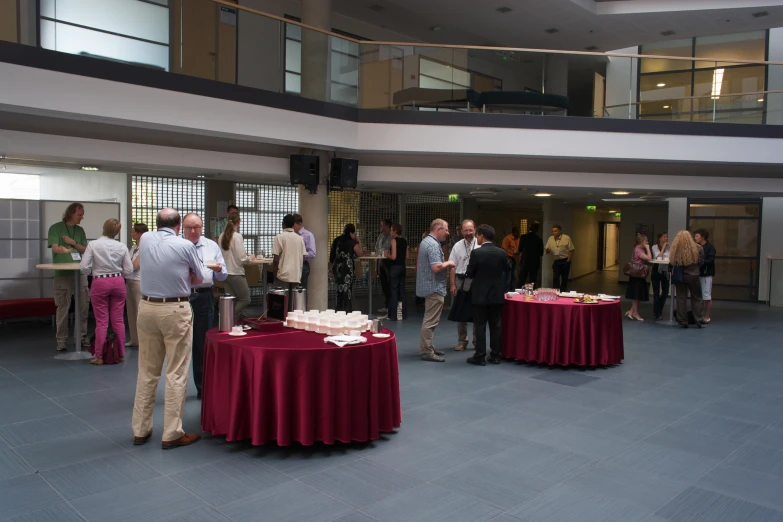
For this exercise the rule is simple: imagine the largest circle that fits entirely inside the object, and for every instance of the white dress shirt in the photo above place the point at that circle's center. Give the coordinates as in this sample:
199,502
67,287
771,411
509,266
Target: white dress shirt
208,250
134,254
106,256
460,254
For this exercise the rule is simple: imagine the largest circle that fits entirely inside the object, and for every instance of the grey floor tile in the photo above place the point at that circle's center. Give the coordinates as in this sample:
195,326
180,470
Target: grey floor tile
98,475
746,411
100,410
482,438
22,495
566,378
204,514
592,398
717,427
758,488
704,384
547,463
663,413
43,430
298,461
67,450
61,382
621,426
566,504
424,460
761,459
698,505
431,504
771,436
554,408
428,418
627,485
693,442
356,516
495,485
227,480
157,499
361,482
583,440
12,465
205,451
14,412
662,461
517,424
288,502
56,513
468,410
16,393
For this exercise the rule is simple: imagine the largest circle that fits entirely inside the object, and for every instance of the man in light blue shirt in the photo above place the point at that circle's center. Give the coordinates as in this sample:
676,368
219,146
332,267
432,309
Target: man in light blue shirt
309,241
202,300
169,265
431,275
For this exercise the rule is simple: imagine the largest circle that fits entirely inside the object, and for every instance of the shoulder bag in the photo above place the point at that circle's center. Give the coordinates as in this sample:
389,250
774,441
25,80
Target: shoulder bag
638,270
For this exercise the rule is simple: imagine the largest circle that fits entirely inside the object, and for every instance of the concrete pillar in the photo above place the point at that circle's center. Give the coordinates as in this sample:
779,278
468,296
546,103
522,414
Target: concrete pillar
315,49
555,213
314,209
678,216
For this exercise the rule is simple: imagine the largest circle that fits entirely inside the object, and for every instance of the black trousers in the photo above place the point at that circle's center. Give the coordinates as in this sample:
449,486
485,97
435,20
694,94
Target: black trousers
305,274
203,305
560,270
528,270
397,291
384,276
482,316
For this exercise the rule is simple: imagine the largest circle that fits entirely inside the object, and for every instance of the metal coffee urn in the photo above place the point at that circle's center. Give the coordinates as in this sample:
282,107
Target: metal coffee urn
299,298
226,313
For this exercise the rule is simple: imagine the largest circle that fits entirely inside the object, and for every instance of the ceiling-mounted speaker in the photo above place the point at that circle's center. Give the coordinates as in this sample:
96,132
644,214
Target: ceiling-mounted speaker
304,170
345,173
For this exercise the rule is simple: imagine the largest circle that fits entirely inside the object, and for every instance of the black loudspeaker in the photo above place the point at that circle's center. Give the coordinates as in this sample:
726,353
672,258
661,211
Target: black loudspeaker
304,170
345,173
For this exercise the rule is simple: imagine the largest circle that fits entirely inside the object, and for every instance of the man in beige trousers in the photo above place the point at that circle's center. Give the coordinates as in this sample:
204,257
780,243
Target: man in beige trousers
169,265
431,276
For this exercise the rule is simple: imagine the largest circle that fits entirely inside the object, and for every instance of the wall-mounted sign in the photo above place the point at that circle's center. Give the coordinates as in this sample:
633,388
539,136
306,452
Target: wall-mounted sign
228,16
590,208
453,198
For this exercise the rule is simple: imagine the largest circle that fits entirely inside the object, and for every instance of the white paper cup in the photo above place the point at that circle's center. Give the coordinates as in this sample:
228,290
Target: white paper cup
236,329
355,333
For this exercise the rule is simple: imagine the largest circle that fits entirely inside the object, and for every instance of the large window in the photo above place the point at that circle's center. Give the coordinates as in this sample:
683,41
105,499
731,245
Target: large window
149,194
706,90
127,31
734,230
261,208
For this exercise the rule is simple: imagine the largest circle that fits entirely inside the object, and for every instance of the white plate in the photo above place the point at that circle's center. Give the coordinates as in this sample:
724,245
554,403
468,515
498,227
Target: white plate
609,299
382,336
232,334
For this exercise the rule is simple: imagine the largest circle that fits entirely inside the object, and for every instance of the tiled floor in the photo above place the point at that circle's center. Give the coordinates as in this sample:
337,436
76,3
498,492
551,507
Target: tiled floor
689,428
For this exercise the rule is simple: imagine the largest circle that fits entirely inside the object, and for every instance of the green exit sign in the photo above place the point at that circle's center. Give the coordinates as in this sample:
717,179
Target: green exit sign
618,214
453,198
590,208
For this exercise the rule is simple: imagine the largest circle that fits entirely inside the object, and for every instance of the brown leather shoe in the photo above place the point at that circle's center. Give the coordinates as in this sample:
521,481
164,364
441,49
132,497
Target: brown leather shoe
138,441
96,361
185,440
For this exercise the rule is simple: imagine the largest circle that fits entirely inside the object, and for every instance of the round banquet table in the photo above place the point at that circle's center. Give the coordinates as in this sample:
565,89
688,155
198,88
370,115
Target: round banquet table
563,332
291,386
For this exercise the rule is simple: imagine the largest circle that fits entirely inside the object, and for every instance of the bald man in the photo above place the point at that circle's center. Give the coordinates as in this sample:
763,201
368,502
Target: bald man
169,265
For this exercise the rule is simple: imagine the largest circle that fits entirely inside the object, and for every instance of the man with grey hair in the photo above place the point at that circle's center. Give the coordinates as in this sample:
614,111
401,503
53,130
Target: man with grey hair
169,266
460,254
431,285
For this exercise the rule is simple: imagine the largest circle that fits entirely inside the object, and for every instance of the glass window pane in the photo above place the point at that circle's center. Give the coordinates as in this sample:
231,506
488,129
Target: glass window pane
84,42
132,18
432,83
444,72
722,87
293,56
736,271
293,83
344,46
665,94
345,69
742,46
731,237
725,209
293,31
682,48
345,94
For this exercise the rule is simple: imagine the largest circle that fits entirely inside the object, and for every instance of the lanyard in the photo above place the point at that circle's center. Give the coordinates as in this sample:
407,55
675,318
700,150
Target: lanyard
70,234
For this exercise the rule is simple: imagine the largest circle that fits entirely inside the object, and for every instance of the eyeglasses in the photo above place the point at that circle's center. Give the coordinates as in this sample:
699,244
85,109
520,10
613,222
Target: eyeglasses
197,227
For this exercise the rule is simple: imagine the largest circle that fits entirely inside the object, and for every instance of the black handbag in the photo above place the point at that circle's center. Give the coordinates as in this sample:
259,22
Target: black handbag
461,308
636,270
678,274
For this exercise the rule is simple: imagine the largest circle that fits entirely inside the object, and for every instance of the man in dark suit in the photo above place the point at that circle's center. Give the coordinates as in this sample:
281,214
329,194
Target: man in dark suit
487,268
531,246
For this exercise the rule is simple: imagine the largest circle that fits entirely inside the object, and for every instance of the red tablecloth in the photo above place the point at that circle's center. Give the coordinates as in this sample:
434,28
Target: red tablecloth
290,386
563,332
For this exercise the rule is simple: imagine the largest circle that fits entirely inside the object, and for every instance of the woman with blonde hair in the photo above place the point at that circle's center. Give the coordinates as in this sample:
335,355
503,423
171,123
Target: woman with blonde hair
233,247
109,262
686,256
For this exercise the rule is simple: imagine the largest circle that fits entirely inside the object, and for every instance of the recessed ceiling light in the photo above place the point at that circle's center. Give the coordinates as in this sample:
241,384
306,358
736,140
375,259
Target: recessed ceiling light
504,9
87,167
620,193
667,33
591,48
760,100
201,176
760,14
542,195
552,30
667,107
661,85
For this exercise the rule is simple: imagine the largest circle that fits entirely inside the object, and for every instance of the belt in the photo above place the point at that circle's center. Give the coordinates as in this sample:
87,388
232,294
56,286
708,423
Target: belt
164,299
106,275
200,290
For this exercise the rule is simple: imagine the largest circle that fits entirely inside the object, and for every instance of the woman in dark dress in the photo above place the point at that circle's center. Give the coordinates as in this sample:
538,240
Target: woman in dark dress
637,289
398,254
345,249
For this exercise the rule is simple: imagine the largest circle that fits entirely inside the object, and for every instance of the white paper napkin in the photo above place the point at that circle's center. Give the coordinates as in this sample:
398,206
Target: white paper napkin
344,340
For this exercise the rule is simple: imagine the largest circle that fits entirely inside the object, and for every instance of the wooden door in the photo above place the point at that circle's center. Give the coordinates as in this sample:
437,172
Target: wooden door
194,38
8,21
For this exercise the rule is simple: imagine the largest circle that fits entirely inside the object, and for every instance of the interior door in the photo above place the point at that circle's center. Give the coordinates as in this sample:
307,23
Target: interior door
599,90
194,27
8,21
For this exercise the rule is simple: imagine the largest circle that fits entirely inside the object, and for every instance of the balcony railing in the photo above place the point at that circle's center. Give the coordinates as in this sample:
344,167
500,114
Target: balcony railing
219,40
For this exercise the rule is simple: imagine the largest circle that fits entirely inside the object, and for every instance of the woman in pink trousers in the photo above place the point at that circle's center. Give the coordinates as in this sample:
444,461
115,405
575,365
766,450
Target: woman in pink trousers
109,262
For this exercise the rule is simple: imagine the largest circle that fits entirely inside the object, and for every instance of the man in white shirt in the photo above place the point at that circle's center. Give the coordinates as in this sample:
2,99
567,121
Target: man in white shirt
562,248
460,254
201,298
288,251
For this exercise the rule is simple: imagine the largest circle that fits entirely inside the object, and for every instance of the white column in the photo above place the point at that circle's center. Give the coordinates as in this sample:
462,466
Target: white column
314,209
555,213
678,216
315,49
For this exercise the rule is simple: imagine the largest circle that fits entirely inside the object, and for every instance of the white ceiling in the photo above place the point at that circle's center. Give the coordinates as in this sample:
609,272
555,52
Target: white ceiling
580,23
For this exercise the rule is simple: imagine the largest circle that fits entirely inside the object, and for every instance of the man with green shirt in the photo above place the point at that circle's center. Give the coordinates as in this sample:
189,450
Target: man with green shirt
68,242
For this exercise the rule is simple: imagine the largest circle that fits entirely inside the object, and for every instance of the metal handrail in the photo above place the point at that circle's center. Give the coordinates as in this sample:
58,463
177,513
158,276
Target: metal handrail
488,47
693,98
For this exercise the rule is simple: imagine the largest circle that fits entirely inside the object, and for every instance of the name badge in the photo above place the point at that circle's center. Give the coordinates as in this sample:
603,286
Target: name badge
76,256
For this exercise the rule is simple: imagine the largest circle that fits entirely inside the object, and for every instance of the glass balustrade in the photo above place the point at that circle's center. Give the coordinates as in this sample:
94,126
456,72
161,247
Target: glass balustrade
220,41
